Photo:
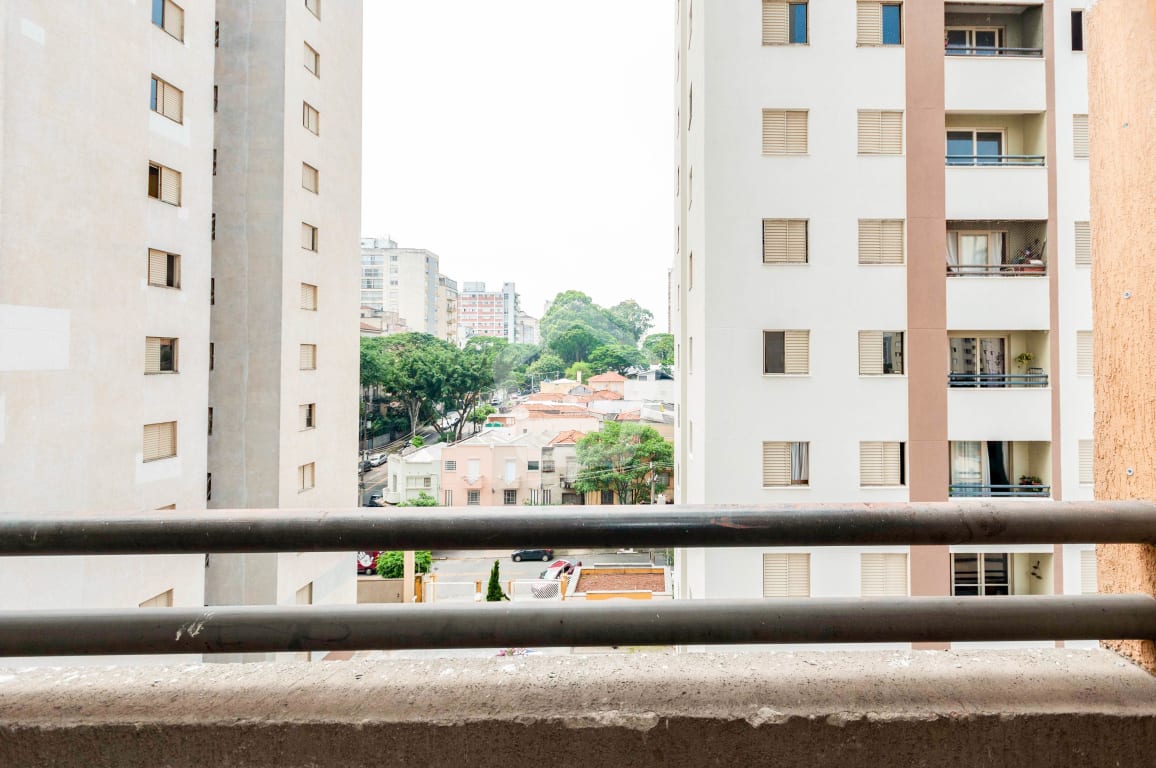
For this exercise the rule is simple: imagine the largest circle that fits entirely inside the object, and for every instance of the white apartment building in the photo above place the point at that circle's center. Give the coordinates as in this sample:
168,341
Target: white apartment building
881,291
401,280
105,206
284,378
489,313
447,309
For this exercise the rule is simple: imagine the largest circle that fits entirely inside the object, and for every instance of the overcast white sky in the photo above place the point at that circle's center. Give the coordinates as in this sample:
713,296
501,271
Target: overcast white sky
525,140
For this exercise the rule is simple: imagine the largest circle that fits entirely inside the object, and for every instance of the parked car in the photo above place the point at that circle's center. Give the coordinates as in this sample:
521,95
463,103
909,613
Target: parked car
367,562
363,467
377,460
377,499
533,554
556,569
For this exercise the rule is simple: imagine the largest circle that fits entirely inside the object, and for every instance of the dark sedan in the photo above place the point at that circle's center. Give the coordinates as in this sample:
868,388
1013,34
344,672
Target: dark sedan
532,554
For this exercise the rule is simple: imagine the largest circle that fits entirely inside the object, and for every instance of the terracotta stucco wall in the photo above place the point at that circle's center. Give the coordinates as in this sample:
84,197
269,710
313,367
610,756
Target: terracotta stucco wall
1121,44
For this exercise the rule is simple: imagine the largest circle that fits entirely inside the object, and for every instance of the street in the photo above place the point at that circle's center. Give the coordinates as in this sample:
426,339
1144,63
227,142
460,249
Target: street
373,480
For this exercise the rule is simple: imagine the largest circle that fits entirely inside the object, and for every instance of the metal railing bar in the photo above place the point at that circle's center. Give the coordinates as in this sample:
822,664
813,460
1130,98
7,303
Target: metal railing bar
997,380
255,629
982,50
472,528
965,490
994,160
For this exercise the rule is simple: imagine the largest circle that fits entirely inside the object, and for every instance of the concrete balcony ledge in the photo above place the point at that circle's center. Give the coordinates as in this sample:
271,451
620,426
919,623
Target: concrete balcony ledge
846,709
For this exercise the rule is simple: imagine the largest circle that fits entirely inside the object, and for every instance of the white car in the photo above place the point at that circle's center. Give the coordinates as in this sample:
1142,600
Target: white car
377,461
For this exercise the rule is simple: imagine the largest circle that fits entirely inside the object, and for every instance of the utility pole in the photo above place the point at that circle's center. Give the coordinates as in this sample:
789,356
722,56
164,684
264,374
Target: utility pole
652,482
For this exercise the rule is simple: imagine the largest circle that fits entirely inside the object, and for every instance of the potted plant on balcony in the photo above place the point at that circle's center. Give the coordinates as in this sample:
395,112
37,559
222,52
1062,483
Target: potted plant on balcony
1033,484
1023,358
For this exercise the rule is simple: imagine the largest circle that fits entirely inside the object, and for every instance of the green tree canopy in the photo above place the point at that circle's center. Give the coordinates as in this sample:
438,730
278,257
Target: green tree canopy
577,342
616,357
586,369
547,367
574,308
623,457
413,368
391,565
494,591
660,347
632,318
423,500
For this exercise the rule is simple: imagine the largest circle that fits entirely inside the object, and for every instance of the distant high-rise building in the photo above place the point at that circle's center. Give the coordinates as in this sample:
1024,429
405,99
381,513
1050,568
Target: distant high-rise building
401,280
527,329
489,313
447,309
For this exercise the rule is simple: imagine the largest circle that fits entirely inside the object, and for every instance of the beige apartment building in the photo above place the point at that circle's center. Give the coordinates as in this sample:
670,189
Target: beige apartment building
447,309
158,299
402,280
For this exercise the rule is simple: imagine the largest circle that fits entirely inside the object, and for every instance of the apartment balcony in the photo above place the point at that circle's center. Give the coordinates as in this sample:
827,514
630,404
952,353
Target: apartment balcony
998,385
1000,469
997,275
473,482
996,166
995,58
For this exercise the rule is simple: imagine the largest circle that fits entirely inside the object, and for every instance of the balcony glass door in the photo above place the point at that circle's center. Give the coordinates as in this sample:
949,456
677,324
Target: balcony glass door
972,41
978,361
974,147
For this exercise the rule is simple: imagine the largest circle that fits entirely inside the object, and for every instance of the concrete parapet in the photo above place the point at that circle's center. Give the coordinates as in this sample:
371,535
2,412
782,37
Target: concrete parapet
850,710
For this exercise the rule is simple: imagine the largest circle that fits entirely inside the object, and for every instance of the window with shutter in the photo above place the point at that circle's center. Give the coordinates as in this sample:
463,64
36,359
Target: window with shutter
870,353
164,269
869,23
305,477
160,354
786,575
881,464
1083,244
166,99
1089,580
312,60
314,7
309,177
310,118
1084,353
308,237
164,184
881,241
164,599
785,464
883,574
160,441
784,132
1087,461
880,132
786,352
784,241
170,17
308,296
775,22
1080,136
308,357
306,414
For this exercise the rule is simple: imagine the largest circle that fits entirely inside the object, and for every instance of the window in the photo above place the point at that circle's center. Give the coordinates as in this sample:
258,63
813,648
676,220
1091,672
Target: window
879,24
1084,353
308,296
164,184
212,291
312,60
307,416
163,600
980,574
213,228
216,34
306,476
1087,461
449,498
170,17
531,466
786,575
212,351
308,357
309,177
606,497
208,490
167,100
784,241
473,498
971,147
882,464
509,497
784,131
786,464
166,507
880,353
451,465
1080,136
210,420
880,132
973,41
214,161
160,441
1083,244
308,237
310,118
881,241
1077,30
787,352
1089,583
160,354
216,94
690,272
784,23
883,574
314,7
164,269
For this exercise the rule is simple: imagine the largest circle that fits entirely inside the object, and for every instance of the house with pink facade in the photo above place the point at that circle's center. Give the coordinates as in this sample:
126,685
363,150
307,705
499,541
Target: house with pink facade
496,467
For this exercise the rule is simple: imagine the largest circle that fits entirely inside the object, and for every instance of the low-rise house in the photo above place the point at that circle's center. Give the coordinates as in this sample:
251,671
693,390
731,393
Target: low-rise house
620,582
413,472
559,466
614,382
496,467
654,385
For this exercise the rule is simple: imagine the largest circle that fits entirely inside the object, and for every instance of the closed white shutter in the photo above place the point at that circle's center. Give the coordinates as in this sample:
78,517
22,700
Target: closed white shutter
775,22
312,60
797,132
172,101
880,132
796,241
308,357
776,464
174,20
1089,580
784,132
869,139
891,241
152,354
784,241
870,241
880,463
869,24
305,476
308,296
170,186
310,118
158,268
870,353
1080,135
1087,461
1083,244
786,575
305,416
883,574
797,352
1084,353
160,440
308,237
309,177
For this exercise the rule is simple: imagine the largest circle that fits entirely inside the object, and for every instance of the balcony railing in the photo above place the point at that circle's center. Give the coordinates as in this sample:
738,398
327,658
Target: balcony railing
964,490
986,160
988,50
997,380
240,629
1033,268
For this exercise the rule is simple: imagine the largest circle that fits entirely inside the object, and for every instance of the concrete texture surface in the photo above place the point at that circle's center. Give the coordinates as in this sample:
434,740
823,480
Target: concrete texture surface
920,708
1121,45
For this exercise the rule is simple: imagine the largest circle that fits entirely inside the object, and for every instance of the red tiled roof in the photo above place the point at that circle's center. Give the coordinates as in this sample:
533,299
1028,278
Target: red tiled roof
540,397
606,394
608,376
629,416
569,437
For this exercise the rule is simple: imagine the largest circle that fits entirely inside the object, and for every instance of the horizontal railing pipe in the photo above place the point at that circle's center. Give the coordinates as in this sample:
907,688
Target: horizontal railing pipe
992,51
994,160
263,629
473,528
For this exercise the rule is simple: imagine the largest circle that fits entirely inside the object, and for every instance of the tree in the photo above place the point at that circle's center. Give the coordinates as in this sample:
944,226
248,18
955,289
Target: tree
660,347
547,367
624,458
494,593
632,318
413,368
391,565
423,500
577,342
616,357
481,413
571,308
585,369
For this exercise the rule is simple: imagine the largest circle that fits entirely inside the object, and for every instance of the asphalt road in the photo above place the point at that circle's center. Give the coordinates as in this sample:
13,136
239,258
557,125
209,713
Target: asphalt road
374,480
